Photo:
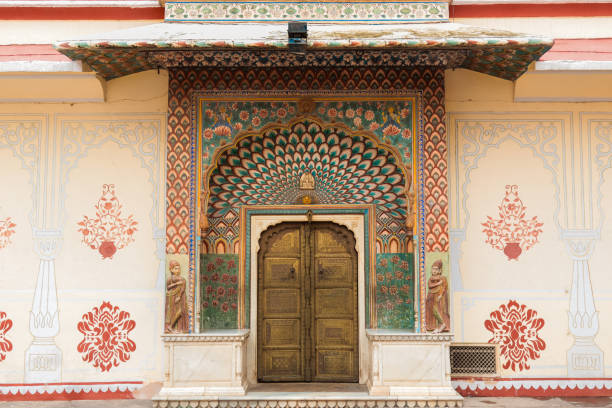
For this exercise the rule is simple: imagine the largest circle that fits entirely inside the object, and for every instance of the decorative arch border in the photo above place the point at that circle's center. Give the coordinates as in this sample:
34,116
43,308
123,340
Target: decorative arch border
492,132
204,193
417,176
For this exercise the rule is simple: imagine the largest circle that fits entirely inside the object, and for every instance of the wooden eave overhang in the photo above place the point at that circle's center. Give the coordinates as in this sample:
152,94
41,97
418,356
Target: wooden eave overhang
174,44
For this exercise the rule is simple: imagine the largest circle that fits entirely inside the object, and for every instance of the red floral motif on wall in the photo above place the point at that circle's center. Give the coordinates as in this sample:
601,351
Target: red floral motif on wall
106,341
512,232
5,344
108,232
6,230
515,328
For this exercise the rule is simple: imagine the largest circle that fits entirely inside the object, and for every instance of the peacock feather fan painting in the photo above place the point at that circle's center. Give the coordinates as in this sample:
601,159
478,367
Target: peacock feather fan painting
265,168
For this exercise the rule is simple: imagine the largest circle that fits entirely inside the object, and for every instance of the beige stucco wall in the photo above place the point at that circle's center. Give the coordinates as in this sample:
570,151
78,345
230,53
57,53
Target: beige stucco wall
54,161
49,31
558,154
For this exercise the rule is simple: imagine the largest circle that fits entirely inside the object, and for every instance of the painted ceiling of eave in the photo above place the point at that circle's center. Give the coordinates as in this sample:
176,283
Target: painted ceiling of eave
122,52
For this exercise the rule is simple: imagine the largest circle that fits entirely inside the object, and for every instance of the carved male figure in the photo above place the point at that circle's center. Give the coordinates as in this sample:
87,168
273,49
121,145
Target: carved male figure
176,320
437,317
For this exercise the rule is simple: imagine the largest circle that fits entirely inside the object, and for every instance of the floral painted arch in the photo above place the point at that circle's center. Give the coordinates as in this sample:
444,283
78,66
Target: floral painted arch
266,167
322,126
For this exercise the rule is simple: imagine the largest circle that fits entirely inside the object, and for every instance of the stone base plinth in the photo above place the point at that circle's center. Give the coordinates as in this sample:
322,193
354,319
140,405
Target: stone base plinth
204,365
585,359
43,362
410,365
406,370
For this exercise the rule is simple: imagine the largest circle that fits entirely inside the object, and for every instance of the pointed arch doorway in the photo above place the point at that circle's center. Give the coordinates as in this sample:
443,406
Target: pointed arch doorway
307,314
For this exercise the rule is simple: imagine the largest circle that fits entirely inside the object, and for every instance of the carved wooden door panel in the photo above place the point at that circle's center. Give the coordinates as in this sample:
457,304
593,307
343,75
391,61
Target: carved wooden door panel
307,326
280,325
335,305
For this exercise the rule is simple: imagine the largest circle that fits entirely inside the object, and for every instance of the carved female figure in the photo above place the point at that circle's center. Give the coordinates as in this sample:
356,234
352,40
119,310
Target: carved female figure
176,320
437,317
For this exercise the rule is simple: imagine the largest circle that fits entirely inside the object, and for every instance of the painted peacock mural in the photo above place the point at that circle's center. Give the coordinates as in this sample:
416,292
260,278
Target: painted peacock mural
266,167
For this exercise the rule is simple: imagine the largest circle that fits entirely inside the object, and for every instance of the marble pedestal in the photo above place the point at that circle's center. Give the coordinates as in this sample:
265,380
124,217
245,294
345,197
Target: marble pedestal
204,365
406,369
410,364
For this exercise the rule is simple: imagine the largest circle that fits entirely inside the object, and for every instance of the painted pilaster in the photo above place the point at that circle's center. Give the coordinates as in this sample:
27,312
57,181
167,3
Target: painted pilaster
457,236
584,358
43,360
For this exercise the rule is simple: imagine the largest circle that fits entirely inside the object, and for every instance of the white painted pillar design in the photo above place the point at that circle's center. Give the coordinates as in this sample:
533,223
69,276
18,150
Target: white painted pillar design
584,358
43,359
457,236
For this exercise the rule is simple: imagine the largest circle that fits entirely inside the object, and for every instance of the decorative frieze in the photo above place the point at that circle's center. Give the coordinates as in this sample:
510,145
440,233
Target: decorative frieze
312,58
68,391
215,336
403,336
267,11
533,387
299,402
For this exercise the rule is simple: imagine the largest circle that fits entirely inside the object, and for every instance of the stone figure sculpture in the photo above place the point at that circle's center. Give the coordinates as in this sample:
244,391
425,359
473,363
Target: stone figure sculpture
176,320
307,182
437,317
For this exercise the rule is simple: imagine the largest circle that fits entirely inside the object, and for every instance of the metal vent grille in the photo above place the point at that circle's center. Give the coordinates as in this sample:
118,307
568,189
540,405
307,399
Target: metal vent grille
474,359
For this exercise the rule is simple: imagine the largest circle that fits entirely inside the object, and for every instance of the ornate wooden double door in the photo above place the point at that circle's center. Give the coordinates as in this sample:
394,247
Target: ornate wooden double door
307,328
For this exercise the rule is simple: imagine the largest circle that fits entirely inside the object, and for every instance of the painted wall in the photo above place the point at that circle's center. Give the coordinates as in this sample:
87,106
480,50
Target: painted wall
530,227
56,160
82,236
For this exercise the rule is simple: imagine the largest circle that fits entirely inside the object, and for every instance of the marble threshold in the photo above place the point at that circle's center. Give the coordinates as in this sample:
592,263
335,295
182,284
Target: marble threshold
311,395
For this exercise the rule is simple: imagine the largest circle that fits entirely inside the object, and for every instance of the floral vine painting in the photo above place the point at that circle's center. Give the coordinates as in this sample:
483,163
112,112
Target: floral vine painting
515,328
393,122
106,342
512,232
5,344
394,291
108,232
7,229
219,286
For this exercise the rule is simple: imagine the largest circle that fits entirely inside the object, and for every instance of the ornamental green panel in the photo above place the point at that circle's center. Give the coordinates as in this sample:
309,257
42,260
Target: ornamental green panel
219,291
395,290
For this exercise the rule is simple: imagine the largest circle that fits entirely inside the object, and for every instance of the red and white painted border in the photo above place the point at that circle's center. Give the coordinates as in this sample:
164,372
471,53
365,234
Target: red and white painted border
467,387
69,391
533,387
